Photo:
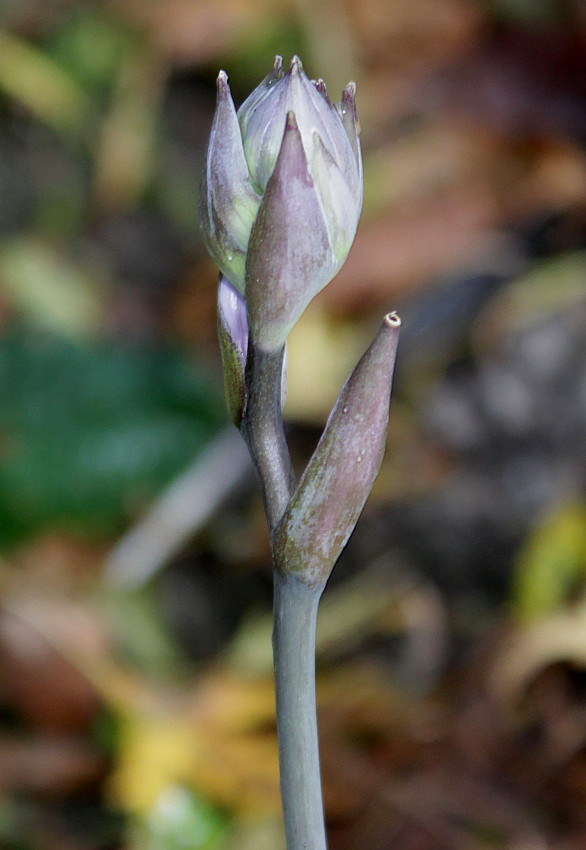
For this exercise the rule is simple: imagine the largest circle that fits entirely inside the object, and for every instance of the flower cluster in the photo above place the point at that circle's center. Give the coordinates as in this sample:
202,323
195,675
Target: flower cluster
281,194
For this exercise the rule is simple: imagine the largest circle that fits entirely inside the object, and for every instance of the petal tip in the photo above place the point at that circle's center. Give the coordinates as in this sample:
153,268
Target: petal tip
348,104
296,66
222,84
349,92
322,89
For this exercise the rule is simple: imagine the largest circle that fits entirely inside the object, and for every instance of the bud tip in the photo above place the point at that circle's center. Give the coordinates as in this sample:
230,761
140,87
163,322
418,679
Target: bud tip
348,103
349,92
296,65
222,83
321,88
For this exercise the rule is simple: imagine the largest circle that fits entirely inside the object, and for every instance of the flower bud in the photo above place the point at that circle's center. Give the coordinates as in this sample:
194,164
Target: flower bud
281,194
262,117
337,480
227,202
233,335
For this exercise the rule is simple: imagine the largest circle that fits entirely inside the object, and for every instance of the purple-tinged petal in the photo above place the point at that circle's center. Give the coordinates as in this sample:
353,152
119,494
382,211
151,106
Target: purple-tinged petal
337,201
348,113
320,86
261,124
227,203
233,336
247,109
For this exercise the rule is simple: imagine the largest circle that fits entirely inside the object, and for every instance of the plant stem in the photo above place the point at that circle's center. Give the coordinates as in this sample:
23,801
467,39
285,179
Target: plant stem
262,428
295,614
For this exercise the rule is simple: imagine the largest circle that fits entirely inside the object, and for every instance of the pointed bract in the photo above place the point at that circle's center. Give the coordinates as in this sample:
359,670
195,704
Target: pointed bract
289,254
335,485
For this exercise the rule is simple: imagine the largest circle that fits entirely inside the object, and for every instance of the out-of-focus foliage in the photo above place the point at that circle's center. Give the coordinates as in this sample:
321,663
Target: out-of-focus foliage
91,432
181,821
552,564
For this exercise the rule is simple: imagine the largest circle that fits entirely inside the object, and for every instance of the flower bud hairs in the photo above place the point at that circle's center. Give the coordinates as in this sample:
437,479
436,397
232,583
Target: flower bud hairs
279,205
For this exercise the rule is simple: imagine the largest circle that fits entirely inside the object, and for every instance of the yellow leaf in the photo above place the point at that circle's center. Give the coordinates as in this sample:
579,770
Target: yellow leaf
551,563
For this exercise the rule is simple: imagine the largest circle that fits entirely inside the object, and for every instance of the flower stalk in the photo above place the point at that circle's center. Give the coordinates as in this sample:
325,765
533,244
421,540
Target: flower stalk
279,207
295,614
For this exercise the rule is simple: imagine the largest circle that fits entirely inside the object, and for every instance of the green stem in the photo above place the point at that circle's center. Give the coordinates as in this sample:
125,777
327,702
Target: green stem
295,614
262,428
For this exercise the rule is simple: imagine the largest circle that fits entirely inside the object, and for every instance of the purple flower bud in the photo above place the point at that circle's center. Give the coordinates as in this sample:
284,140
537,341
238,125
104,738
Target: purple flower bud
227,202
262,118
281,194
335,485
233,334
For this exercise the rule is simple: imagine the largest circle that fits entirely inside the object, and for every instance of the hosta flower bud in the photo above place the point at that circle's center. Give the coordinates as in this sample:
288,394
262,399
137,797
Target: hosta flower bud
281,194
227,202
335,485
233,335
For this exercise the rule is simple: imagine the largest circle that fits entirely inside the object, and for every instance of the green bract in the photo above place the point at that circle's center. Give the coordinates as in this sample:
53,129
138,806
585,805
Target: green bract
281,194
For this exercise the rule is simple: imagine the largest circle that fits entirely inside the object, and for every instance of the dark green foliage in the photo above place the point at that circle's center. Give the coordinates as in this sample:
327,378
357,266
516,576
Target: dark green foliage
89,434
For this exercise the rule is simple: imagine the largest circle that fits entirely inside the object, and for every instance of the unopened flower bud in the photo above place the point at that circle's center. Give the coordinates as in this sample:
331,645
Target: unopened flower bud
227,202
281,194
233,335
335,485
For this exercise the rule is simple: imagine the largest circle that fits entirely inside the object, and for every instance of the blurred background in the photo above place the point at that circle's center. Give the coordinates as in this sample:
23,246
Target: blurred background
136,704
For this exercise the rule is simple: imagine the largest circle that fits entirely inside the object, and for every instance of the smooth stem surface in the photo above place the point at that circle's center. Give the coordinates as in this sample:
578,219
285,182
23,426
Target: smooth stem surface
262,428
295,614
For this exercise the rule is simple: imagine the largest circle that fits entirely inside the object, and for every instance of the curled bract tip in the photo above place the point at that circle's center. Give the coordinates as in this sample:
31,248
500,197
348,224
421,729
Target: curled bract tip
222,81
393,320
296,65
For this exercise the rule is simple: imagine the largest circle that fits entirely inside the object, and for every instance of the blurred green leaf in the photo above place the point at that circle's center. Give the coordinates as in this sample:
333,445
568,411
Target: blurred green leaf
142,633
42,284
526,11
182,821
88,434
91,45
34,80
551,563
